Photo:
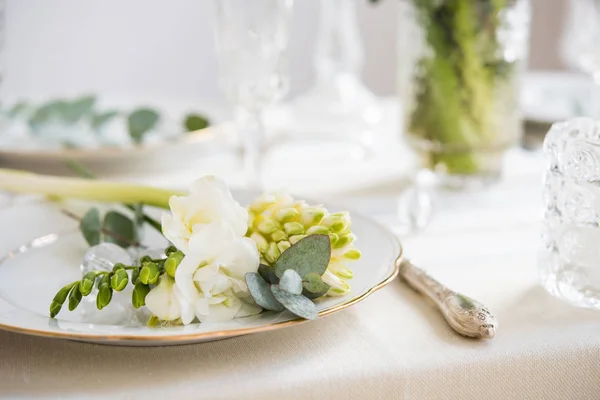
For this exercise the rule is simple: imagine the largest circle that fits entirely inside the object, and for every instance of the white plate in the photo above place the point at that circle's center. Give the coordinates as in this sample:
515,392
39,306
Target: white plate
33,273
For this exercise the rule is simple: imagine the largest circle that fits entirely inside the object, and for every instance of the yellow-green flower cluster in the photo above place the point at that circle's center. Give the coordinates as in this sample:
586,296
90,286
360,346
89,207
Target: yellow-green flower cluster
277,221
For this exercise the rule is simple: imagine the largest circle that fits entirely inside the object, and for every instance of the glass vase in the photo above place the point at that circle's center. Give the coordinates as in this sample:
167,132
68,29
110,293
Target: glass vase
460,63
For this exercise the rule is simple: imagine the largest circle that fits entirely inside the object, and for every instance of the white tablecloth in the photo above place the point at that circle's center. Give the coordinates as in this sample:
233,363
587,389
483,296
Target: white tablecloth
391,346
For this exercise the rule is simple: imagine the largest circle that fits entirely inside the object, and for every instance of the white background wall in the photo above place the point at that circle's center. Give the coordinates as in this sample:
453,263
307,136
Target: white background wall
164,48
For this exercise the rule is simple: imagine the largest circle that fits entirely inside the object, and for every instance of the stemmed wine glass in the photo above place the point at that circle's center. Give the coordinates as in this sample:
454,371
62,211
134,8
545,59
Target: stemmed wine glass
252,42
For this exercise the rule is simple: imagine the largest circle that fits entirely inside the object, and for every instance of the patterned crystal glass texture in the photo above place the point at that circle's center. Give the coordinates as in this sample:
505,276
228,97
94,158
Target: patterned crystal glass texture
569,261
252,42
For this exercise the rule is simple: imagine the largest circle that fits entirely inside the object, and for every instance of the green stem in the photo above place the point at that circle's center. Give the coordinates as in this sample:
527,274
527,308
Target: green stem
84,189
83,172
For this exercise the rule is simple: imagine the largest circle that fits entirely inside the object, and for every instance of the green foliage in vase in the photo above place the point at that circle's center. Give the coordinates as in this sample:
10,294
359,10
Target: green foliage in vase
457,80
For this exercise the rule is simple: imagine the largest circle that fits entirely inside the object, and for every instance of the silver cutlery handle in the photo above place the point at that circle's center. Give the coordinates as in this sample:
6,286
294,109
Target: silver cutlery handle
465,315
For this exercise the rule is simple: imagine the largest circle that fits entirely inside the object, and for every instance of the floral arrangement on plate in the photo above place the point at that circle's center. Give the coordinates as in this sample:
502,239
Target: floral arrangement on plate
225,261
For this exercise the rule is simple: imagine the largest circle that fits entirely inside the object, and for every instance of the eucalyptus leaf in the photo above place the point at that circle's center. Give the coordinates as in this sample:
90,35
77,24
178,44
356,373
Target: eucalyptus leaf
90,226
195,122
140,122
310,254
44,114
261,292
122,226
314,287
295,303
291,282
17,109
138,221
101,119
268,273
74,111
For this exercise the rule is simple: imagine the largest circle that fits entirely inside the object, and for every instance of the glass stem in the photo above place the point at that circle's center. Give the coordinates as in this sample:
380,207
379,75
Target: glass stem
252,136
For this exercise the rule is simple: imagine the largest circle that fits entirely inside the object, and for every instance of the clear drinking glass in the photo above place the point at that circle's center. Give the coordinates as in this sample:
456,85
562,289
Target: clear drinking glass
252,42
569,260
338,106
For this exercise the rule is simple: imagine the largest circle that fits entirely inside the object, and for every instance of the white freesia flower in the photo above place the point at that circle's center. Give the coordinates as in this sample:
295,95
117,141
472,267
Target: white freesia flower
209,201
164,299
211,276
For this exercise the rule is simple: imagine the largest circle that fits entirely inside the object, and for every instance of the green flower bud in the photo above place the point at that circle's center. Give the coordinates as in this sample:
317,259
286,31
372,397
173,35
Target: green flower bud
138,297
145,259
59,299
278,236
341,271
283,245
261,242
172,262
293,228
312,215
153,321
286,215
262,203
169,250
273,253
295,239
335,223
267,226
119,279
317,230
87,283
74,298
343,241
334,238
149,273
104,292
352,254
135,275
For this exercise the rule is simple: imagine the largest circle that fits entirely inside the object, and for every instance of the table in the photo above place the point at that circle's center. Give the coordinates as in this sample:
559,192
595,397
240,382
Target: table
391,346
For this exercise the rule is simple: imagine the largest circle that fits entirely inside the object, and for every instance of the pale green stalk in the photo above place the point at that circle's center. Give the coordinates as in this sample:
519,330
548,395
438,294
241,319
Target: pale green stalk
95,190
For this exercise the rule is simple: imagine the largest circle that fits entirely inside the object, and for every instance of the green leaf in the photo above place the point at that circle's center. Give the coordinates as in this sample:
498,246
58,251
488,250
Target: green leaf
118,223
138,221
90,226
310,254
17,109
314,287
138,297
140,122
295,303
261,292
44,114
77,109
74,297
195,122
268,273
291,282
101,119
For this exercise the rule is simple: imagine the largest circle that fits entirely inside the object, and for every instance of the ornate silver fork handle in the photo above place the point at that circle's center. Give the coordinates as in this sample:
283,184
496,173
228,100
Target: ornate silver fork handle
465,315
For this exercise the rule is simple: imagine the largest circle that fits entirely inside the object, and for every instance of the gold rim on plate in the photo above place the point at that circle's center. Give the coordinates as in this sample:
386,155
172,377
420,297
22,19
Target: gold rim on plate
205,336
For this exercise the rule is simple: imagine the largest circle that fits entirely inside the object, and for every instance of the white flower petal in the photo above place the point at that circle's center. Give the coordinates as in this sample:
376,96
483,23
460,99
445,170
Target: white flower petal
162,302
